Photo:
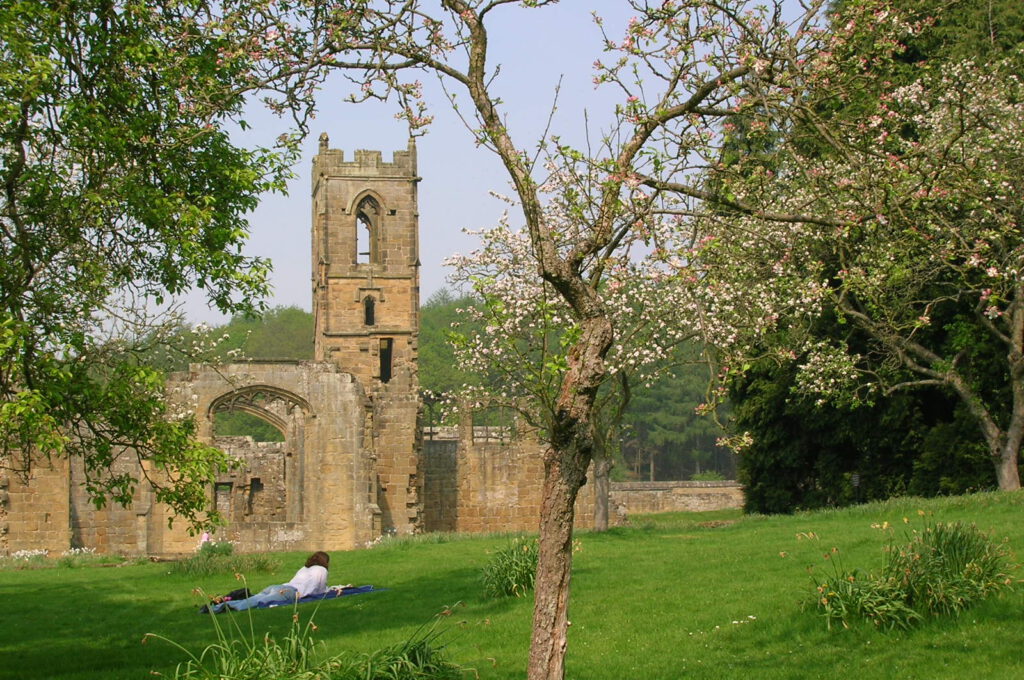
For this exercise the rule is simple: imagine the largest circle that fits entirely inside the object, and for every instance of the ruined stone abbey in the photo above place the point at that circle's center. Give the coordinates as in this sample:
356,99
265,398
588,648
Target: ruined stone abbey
355,463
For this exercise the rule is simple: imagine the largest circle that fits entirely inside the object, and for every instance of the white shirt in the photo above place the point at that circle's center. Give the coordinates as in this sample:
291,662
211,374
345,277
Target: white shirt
309,580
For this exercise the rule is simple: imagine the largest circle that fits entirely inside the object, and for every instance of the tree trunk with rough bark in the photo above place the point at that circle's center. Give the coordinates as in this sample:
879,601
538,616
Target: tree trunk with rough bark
564,475
602,492
565,469
1005,449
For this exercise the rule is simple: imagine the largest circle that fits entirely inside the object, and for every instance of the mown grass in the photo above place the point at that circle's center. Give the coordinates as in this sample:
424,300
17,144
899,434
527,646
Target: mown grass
708,595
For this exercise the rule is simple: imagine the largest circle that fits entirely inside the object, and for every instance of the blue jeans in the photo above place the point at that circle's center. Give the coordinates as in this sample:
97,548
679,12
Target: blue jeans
276,594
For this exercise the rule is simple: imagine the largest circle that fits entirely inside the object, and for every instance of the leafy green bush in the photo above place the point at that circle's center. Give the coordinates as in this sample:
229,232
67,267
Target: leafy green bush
512,569
708,476
941,570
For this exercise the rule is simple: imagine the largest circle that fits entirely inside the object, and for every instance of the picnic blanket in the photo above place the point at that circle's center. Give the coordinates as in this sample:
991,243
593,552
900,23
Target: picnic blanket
329,595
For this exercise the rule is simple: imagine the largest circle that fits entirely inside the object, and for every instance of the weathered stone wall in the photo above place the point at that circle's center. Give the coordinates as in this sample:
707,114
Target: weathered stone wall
440,493
481,481
257,490
111,529
34,512
649,497
396,449
315,491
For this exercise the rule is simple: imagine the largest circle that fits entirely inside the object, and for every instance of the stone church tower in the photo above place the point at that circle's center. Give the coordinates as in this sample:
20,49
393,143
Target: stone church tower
352,463
366,306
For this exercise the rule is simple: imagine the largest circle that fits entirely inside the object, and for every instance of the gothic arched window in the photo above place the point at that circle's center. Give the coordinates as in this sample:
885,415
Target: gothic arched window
368,214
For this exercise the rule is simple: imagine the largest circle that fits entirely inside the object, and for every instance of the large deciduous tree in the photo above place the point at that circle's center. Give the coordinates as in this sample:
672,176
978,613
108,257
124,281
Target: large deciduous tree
795,461
904,220
682,68
119,187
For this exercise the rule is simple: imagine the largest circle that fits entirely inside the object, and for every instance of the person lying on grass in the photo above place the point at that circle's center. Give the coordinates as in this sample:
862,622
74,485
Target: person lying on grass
308,580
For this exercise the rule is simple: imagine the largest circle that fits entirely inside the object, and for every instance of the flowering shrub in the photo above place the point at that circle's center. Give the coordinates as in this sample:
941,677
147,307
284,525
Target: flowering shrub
26,555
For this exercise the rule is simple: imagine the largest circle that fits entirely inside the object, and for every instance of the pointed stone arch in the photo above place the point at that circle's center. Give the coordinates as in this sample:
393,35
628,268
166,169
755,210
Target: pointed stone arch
369,209
314,490
272,404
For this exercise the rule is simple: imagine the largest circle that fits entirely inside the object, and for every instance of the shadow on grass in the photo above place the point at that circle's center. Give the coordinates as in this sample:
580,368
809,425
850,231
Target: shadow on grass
89,628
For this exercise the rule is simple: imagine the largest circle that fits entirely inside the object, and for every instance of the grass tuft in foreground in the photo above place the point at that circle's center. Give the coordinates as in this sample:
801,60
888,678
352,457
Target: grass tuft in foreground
238,654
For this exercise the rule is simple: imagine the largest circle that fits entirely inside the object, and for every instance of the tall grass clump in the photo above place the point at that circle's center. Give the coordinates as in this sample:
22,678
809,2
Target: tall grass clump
220,558
512,569
946,568
237,655
422,657
941,570
240,655
849,595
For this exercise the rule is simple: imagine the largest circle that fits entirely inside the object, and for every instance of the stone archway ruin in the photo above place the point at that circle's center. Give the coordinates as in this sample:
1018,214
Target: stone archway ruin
353,465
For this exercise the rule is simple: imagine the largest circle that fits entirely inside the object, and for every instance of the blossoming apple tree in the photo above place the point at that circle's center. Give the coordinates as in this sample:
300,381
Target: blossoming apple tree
905,219
682,67
515,341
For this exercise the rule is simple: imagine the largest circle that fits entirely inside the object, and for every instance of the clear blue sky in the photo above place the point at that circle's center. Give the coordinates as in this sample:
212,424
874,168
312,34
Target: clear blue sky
535,48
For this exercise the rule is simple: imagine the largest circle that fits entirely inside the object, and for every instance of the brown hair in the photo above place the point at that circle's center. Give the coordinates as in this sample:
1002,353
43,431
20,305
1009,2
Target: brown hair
318,559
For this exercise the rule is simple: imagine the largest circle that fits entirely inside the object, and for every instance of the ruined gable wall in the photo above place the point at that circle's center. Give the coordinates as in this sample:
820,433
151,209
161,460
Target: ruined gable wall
318,487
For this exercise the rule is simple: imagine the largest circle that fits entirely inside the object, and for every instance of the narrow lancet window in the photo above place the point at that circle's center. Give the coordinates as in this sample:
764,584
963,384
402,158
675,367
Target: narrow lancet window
369,311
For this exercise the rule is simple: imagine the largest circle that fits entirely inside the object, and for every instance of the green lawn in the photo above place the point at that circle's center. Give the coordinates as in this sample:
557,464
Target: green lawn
710,595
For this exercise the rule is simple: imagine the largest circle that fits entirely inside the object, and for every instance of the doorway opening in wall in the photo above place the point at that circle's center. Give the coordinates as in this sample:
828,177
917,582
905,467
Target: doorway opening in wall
241,424
255,489
222,498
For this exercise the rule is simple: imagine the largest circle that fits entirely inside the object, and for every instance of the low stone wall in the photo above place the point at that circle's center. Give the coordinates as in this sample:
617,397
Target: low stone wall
634,498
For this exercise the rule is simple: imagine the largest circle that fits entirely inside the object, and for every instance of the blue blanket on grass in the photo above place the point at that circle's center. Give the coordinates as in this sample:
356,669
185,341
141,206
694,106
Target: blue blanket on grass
329,595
